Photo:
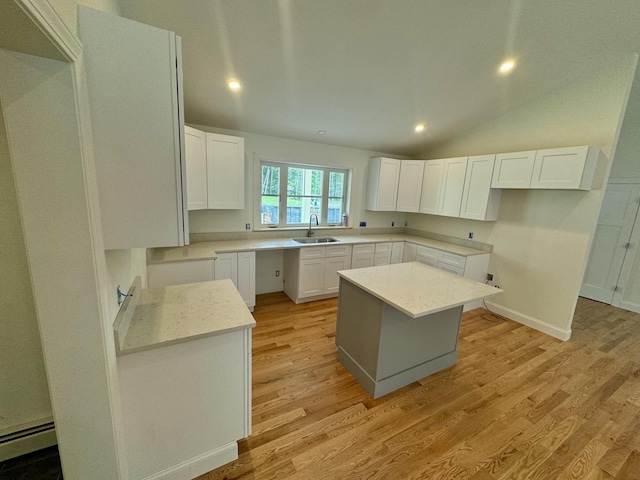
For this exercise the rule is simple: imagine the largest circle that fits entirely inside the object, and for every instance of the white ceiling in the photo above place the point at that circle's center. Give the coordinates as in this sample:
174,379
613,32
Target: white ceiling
367,71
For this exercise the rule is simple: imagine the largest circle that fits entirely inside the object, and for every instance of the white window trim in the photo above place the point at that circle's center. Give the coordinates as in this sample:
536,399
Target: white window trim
258,162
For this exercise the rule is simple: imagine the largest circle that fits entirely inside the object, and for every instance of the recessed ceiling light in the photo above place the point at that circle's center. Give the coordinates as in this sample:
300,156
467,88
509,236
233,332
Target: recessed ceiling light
321,132
507,66
420,127
234,85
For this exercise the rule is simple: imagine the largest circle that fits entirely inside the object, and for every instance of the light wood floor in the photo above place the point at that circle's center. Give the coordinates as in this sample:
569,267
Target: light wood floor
517,405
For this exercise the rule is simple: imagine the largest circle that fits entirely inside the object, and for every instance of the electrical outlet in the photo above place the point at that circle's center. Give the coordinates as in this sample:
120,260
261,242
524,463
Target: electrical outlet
490,276
120,299
470,234
247,226
393,224
406,224
277,273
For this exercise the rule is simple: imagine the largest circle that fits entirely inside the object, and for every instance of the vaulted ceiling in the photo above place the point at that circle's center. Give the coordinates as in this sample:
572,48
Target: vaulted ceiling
367,71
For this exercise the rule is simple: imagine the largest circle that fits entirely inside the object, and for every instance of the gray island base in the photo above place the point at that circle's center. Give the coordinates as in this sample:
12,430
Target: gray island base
399,323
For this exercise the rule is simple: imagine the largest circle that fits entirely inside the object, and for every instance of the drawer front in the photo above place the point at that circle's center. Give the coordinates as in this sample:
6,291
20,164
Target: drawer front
383,247
362,262
427,252
426,260
312,252
338,251
452,259
364,249
451,269
381,259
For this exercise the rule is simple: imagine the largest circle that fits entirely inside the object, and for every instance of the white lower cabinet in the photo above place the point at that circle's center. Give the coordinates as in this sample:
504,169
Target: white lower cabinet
240,267
382,255
310,272
409,252
397,250
363,255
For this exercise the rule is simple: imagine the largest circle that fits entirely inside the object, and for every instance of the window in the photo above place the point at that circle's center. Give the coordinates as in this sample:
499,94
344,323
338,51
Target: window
291,193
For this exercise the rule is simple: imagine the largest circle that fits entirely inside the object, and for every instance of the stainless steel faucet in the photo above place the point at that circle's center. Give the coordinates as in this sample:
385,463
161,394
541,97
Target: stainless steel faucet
311,232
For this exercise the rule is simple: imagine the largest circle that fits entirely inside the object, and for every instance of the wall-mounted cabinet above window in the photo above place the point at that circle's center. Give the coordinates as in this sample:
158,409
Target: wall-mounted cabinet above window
215,170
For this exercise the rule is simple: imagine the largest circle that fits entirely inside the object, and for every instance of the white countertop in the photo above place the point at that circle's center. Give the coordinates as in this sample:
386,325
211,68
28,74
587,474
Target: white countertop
204,250
417,289
179,313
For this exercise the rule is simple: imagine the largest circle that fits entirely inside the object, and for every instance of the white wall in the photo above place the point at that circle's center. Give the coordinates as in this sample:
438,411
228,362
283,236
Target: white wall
265,147
541,238
24,396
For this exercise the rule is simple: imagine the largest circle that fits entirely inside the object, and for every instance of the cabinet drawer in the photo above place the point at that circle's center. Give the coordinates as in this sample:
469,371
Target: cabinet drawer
364,249
381,259
338,251
383,247
452,269
427,252
427,260
312,252
452,259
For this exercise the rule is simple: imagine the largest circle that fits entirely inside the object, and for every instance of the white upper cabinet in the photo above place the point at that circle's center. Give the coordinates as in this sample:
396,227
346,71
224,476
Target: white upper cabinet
442,186
382,184
513,170
479,200
225,171
452,186
215,170
570,168
134,77
431,186
410,185
196,161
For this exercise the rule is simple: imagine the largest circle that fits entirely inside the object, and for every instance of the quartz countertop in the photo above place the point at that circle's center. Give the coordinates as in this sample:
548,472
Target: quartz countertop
417,289
204,250
167,315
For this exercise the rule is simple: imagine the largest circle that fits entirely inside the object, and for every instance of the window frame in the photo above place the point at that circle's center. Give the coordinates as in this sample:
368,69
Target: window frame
283,197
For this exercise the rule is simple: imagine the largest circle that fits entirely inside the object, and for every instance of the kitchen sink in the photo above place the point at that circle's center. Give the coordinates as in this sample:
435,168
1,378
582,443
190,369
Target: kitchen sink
316,240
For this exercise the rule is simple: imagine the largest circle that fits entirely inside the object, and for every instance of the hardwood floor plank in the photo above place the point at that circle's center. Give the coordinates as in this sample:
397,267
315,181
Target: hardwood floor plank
518,404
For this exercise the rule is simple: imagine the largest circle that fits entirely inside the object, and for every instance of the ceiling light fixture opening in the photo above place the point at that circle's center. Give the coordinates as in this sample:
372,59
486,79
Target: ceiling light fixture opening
234,84
507,66
420,127
321,132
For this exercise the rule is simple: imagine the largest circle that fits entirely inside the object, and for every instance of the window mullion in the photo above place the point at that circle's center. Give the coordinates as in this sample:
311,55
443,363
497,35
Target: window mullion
284,175
324,203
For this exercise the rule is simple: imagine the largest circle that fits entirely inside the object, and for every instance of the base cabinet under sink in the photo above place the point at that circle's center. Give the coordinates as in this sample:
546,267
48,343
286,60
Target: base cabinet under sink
310,273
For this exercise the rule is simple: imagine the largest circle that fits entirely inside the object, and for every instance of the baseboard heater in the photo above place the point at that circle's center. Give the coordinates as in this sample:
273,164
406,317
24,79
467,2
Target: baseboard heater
27,440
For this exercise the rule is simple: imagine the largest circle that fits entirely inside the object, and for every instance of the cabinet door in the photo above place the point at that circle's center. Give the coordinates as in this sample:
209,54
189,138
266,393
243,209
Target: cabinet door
225,171
453,177
381,259
562,168
431,186
397,250
178,273
226,266
196,162
362,261
479,200
331,278
427,255
410,185
133,87
451,269
247,277
409,253
513,170
382,184
311,279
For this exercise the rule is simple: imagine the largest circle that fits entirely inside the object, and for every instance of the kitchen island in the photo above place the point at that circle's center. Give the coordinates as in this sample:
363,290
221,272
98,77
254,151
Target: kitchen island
400,323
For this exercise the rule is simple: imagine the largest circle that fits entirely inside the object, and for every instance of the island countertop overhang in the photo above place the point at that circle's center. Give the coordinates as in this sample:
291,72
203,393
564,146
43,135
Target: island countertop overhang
417,289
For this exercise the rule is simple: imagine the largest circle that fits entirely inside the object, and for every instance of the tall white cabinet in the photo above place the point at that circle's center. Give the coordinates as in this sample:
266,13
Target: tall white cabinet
134,82
196,165
442,186
410,185
479,200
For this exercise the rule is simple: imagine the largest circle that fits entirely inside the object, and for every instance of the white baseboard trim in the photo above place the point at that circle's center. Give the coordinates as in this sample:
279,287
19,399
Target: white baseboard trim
27,444
534,323
199,465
